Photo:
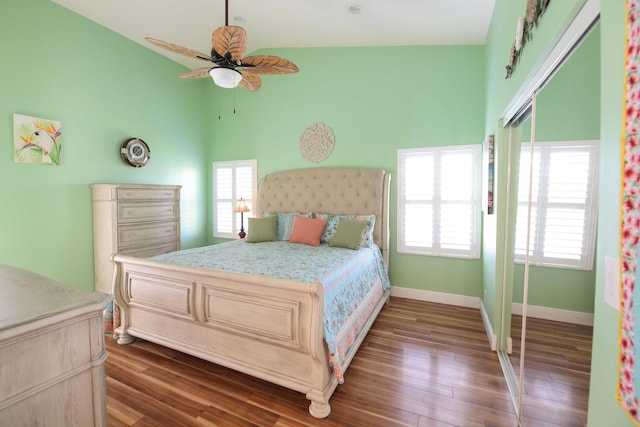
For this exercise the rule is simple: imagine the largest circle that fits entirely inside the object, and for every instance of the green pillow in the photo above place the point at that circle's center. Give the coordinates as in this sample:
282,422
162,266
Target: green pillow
349,234
262,229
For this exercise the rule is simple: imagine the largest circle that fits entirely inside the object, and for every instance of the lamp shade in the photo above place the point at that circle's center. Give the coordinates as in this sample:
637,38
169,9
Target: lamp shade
225,77
242,206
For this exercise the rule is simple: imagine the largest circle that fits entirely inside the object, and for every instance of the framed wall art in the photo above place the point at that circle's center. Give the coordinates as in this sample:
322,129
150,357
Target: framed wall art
488,147
36,140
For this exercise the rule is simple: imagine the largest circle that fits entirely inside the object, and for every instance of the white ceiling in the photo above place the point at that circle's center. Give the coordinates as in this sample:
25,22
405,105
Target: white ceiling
293,23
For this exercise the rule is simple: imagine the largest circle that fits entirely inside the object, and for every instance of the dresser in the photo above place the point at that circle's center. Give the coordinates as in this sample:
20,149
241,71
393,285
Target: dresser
51,352
133,219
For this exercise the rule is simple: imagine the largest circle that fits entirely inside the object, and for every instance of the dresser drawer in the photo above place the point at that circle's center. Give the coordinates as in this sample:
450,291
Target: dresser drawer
153,250
132,235
148,193
140,220
138,212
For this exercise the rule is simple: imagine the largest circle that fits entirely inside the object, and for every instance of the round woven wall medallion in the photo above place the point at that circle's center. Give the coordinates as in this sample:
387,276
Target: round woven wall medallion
316,142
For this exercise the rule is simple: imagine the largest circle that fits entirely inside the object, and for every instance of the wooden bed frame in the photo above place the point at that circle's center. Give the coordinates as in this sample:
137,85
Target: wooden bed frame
265,327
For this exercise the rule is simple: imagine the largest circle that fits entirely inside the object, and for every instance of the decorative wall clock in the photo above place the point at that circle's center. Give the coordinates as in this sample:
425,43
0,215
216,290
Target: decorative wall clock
316,142
135,152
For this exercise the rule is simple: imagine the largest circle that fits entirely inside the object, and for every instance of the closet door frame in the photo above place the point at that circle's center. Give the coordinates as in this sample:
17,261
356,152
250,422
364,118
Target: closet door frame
586,17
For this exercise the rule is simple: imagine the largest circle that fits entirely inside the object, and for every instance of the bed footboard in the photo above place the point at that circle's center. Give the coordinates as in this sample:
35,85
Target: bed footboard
265,327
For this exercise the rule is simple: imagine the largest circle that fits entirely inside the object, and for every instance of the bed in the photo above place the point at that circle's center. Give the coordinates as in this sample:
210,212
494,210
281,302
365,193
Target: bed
263,325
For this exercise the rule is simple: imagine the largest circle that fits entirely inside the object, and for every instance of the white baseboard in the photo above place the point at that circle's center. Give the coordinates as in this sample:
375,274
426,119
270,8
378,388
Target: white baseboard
439,297
567,316
493,339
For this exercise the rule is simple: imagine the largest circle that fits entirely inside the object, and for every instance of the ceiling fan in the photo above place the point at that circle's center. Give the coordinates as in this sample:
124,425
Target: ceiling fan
230,68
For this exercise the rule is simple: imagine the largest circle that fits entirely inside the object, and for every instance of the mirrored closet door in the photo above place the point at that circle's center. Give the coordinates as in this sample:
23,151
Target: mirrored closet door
552,128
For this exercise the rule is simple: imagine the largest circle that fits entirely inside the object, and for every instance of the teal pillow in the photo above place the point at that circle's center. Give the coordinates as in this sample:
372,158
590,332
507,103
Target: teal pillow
349,234
285,222
262,229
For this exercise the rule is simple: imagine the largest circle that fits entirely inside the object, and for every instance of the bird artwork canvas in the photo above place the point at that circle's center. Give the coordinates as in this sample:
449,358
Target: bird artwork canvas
36,140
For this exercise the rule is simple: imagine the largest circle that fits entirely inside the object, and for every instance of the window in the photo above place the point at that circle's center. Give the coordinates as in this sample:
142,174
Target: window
439,201
231,181
563,204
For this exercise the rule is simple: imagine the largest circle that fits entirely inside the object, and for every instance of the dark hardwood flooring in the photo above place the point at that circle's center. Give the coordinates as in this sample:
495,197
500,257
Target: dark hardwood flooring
422,364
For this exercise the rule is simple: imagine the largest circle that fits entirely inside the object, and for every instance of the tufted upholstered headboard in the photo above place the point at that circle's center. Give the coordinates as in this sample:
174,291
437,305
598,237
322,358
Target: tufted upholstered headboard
331,190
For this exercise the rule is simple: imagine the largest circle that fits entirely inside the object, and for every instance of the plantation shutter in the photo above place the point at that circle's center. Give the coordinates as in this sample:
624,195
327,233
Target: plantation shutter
232,180
563,204
439,201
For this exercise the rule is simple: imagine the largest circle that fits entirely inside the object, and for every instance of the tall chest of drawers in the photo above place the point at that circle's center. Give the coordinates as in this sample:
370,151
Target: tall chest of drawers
140,220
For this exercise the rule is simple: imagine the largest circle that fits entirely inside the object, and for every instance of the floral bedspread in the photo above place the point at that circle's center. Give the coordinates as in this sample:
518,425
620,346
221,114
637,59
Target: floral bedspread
353,281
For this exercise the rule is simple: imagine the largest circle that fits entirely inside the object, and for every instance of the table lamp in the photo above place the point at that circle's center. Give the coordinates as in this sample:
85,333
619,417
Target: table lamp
242,208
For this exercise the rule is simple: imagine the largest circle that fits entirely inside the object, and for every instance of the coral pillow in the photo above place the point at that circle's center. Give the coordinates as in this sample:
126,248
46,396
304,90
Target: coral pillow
307,230
285,223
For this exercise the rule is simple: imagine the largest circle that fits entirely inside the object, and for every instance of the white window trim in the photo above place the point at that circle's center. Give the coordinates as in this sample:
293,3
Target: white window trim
249,198
591,214
475,216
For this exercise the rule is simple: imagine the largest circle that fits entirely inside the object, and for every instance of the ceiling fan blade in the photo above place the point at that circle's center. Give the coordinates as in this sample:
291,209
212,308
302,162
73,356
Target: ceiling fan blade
179,49
250,81
268,64
196,74
230,42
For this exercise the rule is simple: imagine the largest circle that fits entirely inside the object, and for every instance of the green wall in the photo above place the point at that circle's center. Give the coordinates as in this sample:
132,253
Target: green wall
603,408
500,92
376,100
104,89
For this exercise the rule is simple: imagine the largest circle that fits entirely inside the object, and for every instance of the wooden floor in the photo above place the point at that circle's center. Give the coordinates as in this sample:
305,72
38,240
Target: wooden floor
557,366
422,364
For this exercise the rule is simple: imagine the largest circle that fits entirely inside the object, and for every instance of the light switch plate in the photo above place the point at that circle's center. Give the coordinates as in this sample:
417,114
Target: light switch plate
612,282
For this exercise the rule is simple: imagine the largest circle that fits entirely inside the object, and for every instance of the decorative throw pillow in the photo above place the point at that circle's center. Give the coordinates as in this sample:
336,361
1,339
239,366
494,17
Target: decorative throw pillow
285,222
262,229
307,230
332,226
349,234
368,236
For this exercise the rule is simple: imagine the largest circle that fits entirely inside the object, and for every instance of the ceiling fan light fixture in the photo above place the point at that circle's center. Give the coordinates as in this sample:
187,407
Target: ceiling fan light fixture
225,77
